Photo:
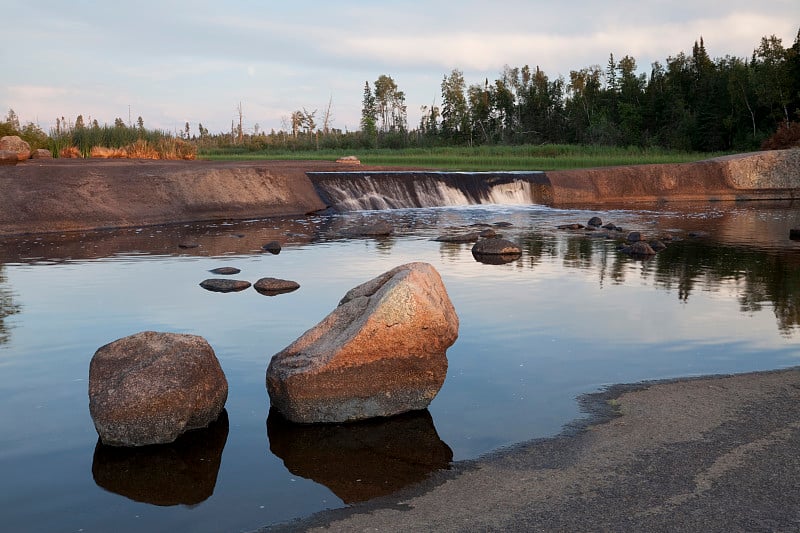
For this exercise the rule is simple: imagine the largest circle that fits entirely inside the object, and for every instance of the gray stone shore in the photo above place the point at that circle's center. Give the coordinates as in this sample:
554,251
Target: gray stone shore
708,454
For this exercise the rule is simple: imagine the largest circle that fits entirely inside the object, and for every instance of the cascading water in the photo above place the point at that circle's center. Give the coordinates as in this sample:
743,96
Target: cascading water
353,191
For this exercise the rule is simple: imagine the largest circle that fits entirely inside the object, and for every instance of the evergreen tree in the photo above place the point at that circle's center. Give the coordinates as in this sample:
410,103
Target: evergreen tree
369,112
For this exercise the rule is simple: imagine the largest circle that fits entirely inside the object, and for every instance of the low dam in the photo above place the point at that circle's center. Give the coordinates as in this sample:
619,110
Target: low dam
41,196
352,191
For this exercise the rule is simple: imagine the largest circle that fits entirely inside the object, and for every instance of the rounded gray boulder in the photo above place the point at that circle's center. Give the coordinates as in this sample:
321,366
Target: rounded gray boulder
151,387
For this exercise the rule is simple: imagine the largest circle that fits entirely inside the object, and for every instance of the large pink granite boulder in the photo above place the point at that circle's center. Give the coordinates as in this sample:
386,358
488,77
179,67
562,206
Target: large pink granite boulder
14,144
151,387
381,352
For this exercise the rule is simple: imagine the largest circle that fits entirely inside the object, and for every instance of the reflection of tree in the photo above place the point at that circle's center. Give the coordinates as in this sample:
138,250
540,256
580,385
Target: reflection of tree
535,246
7,306
578,252
759,275
763,276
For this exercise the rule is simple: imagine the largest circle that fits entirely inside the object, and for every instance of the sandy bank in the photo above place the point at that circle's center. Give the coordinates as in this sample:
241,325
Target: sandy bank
66,195
710,454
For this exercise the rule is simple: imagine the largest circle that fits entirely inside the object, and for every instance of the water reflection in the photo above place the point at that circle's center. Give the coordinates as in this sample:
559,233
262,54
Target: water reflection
7,306
181,473
363,460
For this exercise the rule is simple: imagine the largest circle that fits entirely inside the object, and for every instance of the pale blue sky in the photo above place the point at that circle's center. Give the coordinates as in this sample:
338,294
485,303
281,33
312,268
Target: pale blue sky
177,61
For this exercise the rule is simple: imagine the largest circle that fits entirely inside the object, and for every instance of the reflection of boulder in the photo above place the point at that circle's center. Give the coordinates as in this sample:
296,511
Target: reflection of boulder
496,259
362,460
183,472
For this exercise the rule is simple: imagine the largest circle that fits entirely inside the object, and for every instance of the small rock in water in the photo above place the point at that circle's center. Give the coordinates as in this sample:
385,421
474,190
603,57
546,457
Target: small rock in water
657,245
273,247
595,221
638,249
188,245
224,285
502,224
463,237
275,286
225,271
570,226
495,246
634,236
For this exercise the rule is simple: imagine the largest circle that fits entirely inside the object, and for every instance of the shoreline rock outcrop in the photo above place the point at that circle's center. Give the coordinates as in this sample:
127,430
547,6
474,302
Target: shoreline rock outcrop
14,143
151,387
381,352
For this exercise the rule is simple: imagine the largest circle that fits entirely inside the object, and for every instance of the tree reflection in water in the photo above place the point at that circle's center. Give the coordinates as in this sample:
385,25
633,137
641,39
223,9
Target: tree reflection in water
760,277
7,306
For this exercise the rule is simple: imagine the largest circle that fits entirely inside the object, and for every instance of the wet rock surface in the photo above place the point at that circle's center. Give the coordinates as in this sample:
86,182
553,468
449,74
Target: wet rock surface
381,352
225,285
710,454
275,286
225,271
151,387
273,247
495,246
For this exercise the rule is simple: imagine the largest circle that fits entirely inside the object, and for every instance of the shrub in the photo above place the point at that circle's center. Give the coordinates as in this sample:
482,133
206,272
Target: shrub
101,152
141,149
172,148
70,152
787,136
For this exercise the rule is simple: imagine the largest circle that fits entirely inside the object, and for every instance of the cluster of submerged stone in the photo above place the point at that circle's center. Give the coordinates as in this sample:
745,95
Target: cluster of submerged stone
381,352
635,245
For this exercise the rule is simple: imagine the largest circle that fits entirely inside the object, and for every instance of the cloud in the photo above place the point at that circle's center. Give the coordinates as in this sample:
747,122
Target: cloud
196,60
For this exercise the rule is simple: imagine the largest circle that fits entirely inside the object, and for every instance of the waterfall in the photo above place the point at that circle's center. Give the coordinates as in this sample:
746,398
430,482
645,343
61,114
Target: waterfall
352,191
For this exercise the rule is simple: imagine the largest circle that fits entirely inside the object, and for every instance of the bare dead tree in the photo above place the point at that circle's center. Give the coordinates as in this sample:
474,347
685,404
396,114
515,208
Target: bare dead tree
327,117
241,115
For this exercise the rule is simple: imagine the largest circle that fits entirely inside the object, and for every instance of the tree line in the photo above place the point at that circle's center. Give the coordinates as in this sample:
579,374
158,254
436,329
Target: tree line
688,102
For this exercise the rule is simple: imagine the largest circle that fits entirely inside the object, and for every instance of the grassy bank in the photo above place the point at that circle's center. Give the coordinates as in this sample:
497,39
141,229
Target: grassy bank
542,157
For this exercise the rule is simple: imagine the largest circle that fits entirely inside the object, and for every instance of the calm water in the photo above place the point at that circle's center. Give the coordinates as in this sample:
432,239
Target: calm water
570,316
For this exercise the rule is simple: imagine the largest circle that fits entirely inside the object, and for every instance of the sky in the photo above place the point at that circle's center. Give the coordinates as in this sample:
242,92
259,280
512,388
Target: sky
173,62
